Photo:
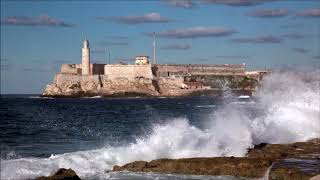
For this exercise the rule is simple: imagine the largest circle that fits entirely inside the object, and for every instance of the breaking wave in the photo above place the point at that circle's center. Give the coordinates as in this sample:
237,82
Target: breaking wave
288,107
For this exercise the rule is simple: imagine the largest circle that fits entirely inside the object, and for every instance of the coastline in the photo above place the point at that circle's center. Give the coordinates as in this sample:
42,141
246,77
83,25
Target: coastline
299,160
191,93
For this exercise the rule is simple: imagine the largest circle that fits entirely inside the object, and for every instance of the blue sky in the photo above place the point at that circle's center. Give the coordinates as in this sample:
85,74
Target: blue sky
38,36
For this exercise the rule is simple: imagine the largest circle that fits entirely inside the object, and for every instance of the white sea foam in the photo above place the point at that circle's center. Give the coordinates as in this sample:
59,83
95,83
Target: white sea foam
243,102
40,97
243,97
206,106
290,112
93,97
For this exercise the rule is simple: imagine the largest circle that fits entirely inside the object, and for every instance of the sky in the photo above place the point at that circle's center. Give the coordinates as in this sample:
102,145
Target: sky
38,36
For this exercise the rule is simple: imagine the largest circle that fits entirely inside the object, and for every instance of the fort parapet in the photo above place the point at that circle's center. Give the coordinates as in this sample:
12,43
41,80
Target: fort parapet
199,69
114,71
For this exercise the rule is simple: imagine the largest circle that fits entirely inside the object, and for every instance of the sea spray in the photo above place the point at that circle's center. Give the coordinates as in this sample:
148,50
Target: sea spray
288,111
266,174
292,109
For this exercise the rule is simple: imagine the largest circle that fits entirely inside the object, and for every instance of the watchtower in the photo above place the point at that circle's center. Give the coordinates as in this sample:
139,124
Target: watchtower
85,58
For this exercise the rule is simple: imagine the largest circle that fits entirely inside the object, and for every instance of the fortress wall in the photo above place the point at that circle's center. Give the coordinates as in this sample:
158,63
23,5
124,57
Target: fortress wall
77,69
127,71
214,81
97,69
69,69
60,78
199,69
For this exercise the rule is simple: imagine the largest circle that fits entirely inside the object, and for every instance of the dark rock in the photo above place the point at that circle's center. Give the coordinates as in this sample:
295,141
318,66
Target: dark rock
61,174
298,150
117,168
260,146
255,165
283,173
295,169
134,166
287,173
244,167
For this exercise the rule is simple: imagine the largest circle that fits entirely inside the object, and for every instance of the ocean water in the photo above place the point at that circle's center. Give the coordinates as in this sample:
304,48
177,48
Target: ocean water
90,135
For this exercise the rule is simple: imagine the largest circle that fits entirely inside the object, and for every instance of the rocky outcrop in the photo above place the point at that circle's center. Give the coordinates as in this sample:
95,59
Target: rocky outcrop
298,150
244,167
299,160
51,90
295,169
61,174
69,90
68,85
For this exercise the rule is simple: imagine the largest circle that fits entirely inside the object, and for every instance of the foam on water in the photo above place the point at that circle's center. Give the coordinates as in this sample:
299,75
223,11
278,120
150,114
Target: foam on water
243,97
290,113
206,106
93,97
40,97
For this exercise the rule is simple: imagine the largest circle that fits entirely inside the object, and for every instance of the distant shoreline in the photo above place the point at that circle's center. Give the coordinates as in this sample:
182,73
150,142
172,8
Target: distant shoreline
207,93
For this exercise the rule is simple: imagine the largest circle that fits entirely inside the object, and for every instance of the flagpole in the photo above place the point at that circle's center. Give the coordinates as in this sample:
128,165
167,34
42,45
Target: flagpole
154,47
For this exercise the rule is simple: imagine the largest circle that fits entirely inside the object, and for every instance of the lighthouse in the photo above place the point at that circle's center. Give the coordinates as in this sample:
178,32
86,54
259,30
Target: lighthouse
85,58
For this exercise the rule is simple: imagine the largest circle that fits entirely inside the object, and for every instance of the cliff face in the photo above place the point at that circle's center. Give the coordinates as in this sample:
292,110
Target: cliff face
73,85
93,85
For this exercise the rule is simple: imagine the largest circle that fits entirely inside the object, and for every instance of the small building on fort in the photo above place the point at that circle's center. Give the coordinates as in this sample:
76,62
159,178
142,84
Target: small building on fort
142,60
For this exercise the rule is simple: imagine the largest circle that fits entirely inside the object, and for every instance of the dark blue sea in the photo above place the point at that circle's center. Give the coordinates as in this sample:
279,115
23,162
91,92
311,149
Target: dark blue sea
39,127
91,135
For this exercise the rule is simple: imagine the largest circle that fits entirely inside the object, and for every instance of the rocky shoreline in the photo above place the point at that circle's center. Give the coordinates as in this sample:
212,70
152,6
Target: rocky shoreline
120,94
300,160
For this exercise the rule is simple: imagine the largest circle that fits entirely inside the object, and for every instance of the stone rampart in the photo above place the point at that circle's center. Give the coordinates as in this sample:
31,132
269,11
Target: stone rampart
113,71
97,69
198,69
70,69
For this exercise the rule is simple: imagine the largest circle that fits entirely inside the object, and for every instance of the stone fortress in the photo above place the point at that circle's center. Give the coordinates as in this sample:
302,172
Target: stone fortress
144,78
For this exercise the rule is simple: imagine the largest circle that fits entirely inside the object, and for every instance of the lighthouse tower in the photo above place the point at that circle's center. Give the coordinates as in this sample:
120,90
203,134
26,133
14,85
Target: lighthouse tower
85,58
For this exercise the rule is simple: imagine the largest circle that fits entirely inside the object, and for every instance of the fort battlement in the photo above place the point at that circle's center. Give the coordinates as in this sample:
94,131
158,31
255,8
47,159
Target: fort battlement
198,69
121,70
127,71
205,65
95,69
